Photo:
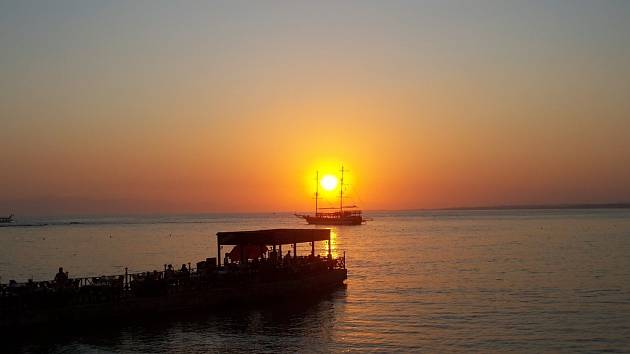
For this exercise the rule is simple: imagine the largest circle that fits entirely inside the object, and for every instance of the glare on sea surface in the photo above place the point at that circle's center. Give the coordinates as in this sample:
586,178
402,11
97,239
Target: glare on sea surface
329,182
333,242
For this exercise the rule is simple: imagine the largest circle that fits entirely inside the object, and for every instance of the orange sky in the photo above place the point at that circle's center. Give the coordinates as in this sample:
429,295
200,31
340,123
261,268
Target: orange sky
120,108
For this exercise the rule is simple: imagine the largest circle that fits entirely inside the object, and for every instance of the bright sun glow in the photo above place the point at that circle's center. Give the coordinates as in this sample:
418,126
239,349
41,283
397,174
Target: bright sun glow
329,182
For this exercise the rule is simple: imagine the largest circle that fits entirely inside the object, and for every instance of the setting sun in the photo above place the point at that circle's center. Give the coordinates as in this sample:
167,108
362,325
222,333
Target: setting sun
329,182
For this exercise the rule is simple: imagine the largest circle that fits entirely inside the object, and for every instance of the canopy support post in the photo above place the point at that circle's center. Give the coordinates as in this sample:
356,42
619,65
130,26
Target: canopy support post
312,248
218,254
294,250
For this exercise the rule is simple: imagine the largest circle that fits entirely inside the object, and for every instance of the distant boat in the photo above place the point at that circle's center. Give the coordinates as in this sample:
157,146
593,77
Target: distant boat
340,215
7,220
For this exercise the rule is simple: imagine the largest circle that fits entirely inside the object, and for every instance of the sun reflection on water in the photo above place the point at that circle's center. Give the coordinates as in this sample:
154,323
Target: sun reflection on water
333,241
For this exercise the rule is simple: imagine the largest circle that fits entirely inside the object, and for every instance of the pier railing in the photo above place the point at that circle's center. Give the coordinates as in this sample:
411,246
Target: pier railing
123,285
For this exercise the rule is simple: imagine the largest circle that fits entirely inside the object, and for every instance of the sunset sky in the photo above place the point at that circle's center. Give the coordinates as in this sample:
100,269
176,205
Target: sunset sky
177,107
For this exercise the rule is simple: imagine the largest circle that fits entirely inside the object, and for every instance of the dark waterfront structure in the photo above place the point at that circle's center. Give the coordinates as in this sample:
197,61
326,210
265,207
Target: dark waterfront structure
258,275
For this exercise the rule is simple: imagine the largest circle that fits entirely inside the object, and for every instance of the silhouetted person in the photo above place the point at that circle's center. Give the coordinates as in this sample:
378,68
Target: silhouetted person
61,278
184,269
170,272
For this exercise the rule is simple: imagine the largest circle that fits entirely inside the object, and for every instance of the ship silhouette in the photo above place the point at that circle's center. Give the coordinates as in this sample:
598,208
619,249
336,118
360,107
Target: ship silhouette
334,215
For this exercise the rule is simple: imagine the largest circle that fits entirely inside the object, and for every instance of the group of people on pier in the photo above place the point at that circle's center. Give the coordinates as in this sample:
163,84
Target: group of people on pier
266,262
275,260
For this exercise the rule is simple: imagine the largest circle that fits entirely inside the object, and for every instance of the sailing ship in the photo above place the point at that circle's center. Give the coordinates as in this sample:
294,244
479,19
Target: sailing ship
339,216
7,220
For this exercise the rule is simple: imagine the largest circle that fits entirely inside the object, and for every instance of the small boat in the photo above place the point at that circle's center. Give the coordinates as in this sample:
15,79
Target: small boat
256,273
340,215
7,220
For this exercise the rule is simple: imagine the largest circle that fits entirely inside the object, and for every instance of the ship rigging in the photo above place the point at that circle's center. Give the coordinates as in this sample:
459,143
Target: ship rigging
339,216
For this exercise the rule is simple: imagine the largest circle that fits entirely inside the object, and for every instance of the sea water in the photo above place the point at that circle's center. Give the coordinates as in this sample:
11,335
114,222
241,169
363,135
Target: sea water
430,281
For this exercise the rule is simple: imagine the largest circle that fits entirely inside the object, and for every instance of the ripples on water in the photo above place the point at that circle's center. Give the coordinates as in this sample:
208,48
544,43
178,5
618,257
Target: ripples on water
431,281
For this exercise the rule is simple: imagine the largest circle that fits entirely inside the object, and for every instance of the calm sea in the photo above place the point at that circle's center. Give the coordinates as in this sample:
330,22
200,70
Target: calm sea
482,281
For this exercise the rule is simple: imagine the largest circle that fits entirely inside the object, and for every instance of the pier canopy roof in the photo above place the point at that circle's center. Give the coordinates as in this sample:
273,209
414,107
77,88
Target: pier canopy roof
272,236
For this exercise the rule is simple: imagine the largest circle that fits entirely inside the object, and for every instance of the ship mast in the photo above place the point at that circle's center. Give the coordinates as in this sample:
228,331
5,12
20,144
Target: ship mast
316,190
341,193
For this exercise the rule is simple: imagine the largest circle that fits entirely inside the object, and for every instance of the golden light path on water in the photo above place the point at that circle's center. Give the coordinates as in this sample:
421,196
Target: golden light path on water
333,240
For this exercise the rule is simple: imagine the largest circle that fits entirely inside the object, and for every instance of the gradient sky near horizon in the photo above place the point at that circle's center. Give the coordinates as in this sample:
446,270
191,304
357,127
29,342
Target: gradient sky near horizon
161,106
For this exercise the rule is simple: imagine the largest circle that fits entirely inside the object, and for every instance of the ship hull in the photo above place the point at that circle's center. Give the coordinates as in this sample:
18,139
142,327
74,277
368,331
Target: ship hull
351,220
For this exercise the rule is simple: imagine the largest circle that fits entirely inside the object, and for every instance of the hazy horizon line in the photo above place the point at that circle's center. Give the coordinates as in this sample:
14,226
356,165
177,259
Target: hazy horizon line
551,206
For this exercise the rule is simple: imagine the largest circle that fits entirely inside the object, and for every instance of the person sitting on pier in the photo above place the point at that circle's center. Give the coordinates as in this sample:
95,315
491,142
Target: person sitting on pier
169,273
184,270
61,278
